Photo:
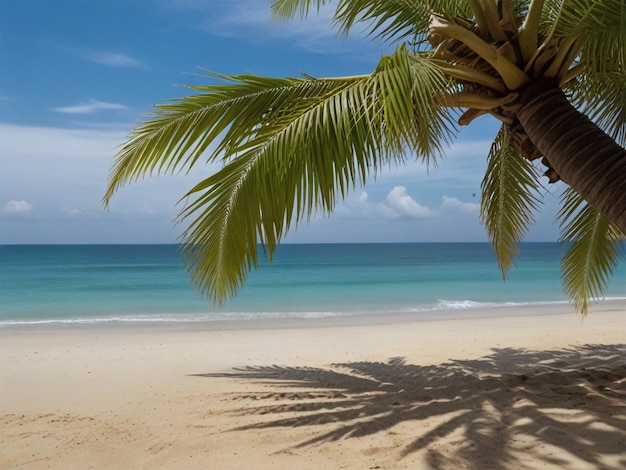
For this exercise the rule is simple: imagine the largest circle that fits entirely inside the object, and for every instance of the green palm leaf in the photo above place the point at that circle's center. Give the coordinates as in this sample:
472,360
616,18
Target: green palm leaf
291,8
602,98
603,24
395,19
390,19
179,132
289,147
509,199
595,250
600,92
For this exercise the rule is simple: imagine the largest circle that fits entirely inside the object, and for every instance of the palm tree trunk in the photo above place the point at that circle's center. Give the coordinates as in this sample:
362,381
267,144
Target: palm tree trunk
586,158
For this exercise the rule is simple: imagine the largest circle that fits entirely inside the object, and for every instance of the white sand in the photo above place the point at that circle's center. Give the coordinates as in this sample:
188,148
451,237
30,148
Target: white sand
515,389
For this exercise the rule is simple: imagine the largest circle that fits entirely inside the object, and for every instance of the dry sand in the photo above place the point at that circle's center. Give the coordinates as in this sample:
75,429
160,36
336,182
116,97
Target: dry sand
518,389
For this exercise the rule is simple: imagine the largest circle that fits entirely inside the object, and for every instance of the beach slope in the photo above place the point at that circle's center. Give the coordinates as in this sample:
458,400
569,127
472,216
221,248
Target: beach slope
522,388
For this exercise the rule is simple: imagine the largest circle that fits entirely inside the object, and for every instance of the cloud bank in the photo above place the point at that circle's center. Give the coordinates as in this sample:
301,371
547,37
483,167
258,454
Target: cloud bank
18,207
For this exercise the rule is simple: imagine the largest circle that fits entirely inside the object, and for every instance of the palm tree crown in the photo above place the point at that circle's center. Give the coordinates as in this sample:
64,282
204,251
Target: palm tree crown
292,146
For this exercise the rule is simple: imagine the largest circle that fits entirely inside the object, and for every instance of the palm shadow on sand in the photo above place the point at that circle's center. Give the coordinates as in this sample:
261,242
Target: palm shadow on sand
571,399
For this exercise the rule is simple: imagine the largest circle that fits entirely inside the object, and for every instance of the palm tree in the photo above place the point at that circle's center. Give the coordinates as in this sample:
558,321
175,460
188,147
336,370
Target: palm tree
552,71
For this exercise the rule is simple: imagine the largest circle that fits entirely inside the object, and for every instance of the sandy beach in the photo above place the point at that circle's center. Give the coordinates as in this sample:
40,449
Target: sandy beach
521,388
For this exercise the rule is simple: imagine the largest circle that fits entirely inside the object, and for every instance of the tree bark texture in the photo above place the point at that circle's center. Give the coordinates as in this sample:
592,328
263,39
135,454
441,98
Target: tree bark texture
585,157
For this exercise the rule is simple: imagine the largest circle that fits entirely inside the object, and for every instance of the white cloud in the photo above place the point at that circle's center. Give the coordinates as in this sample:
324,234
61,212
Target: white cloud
18,207
72,212
456,204
400,203
253,19
113,59
63,174
91,106
254,15
102,56
397,204
53,167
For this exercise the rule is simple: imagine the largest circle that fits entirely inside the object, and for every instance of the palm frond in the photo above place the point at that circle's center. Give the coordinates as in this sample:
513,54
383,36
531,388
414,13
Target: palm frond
603,24
600,91
390,19
395,19
509,199
290,147
602,98
180,131
290,8
572,17
593,254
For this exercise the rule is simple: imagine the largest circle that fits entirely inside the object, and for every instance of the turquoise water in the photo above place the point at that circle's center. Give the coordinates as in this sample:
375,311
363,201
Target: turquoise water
41,284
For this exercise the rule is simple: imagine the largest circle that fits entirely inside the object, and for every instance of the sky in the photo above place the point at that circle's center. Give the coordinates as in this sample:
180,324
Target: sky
76,75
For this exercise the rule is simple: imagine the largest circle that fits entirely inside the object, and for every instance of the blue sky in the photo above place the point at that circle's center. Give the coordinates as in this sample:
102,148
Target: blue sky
75,75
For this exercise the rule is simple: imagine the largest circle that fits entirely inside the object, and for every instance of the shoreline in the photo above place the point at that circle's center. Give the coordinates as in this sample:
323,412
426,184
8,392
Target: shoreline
344,319
522,389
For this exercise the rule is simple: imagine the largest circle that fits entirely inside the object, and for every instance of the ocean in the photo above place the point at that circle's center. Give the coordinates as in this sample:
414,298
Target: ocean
120,284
